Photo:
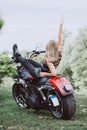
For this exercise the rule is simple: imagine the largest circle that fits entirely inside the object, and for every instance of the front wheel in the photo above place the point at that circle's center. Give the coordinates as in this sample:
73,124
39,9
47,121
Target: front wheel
69,107
19,95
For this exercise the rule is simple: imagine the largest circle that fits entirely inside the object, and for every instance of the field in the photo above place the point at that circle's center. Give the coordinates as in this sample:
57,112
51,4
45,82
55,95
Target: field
14,118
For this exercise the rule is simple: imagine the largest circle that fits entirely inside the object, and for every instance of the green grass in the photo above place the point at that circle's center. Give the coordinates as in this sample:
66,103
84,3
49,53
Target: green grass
14,118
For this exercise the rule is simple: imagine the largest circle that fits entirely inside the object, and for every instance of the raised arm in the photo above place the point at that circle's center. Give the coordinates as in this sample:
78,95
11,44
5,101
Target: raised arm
59,36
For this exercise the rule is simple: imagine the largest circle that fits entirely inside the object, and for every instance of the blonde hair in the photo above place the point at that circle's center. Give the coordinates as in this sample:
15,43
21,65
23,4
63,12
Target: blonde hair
52,51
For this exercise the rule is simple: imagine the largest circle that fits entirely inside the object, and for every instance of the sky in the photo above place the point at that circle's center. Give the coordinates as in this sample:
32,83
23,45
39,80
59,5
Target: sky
32,22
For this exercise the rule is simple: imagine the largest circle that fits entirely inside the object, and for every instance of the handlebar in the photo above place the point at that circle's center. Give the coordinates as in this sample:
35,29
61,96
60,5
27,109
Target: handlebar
38,52
35,53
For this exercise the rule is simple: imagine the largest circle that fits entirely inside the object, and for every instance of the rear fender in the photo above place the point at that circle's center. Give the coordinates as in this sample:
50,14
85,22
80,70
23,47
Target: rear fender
61,85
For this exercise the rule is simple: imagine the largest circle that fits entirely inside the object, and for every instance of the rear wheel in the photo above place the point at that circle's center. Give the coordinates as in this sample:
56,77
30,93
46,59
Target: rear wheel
19,95
69,107
55,104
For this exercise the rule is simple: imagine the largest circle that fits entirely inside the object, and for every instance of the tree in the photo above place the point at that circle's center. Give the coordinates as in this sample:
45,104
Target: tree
74,60
64,66
78,60
1,23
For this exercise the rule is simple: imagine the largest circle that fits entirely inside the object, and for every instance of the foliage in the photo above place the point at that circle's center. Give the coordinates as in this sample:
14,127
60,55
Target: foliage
79,59
6,69
64,66
1,23
66,36
74,60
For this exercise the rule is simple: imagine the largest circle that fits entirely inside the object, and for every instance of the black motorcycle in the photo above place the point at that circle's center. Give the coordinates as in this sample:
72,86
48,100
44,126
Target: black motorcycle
54,94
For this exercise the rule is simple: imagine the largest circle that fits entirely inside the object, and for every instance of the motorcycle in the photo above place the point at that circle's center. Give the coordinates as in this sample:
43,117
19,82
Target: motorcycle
54,94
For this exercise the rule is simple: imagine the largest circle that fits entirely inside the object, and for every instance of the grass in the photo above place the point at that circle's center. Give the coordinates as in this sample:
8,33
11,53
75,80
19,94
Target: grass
14,118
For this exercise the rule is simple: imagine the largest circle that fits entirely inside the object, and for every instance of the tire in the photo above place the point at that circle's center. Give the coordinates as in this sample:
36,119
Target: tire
56,110
19,95
69,107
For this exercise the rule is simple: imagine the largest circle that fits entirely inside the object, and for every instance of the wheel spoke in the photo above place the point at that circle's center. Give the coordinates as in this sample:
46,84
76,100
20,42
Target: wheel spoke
19,96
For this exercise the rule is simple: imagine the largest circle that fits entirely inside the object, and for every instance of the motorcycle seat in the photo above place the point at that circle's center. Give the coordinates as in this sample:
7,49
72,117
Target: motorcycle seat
41,81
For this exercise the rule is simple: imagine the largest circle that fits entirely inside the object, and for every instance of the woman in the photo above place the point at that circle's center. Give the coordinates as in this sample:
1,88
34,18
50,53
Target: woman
53,54
51,59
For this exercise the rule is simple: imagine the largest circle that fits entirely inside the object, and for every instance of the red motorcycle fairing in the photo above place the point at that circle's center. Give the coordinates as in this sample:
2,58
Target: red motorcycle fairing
61,85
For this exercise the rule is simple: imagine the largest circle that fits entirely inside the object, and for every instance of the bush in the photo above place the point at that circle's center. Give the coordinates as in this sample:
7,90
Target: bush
6,69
